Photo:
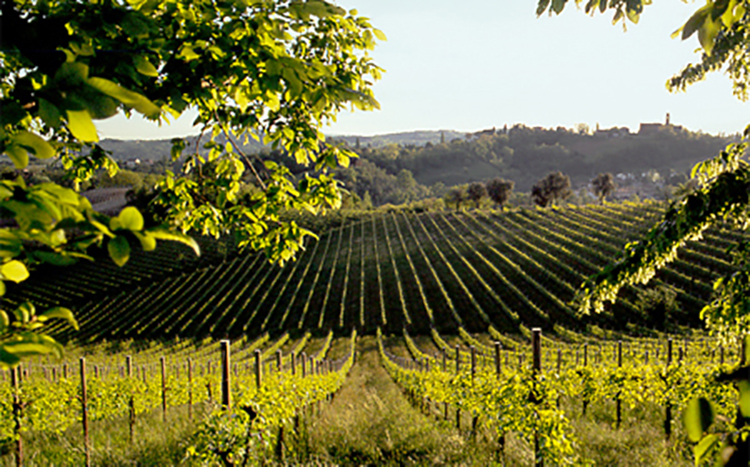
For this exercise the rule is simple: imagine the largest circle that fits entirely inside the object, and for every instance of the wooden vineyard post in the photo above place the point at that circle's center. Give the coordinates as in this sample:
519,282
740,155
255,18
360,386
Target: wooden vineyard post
163,389
618,402
84,412
536,346
445,369
474,418
685,348
131,399
258,370
429,402
668,407
280,439
315,371
293,363
497,359
458,370
17,415
303,362
498,372
190,387
226,376
585,364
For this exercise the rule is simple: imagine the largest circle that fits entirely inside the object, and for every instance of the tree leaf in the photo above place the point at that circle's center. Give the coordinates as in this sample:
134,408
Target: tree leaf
7,359
131,99
697,417
52,257
29,348
24,312
633,15
744,387
130,218
162,233
541,7
49,113
18,155
558,5
148,242
704,447
14,271
81,125
71,74
41,148
187,52
695,22
145,67
59,313
707,34
119,250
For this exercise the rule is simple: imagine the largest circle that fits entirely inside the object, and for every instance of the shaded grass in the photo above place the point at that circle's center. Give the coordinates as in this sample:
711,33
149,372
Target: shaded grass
155,443
640,440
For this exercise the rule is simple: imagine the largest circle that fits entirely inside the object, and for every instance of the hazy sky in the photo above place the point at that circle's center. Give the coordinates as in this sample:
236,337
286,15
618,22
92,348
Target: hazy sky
485,63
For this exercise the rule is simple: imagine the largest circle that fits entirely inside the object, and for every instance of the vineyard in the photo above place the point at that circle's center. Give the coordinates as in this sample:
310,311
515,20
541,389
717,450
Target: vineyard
470,314
510,271
275,379
532,392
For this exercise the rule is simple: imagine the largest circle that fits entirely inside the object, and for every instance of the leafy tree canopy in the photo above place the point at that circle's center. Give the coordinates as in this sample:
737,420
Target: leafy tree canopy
499,190
554,186
604,185
276,71
476,192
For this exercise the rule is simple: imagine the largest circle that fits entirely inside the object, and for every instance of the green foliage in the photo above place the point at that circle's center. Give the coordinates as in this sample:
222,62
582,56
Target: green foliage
522,403
476,192
272,70
499,190
456,196
247,433
604,186
555,186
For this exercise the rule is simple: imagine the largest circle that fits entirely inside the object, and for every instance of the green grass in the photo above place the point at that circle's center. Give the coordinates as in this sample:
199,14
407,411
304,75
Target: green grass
155,443
370,422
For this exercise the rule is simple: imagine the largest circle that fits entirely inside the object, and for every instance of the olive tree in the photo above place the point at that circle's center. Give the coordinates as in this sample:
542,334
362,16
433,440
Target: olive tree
499,190
604,186
476,192
554,186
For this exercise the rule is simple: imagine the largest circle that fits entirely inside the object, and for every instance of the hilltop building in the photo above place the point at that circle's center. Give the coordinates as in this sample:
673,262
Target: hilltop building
652,128
613,132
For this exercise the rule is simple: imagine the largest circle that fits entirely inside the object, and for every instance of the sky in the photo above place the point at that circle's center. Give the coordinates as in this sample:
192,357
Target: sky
480,64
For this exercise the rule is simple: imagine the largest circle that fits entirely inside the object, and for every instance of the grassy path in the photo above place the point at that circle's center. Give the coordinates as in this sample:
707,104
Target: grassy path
370,422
